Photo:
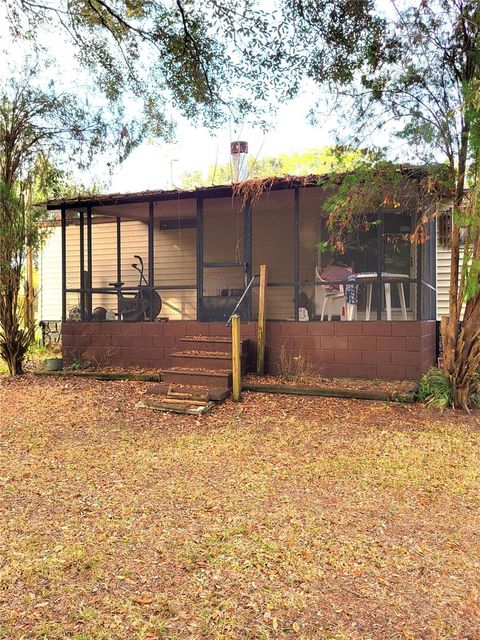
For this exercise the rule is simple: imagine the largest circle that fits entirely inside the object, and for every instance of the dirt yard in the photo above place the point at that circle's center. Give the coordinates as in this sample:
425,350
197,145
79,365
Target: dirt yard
281,517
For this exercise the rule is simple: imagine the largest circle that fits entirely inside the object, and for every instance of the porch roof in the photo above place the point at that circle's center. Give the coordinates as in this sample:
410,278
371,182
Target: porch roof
272,183
214,191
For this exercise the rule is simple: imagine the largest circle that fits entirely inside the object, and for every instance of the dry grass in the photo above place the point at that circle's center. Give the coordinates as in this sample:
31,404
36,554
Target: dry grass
250,191
296,367
276,518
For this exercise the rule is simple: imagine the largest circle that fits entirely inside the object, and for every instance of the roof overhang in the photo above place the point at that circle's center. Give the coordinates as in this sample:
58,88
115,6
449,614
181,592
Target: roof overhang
217,191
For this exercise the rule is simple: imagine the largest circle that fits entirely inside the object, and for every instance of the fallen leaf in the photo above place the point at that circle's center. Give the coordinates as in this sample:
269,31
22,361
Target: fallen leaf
143,600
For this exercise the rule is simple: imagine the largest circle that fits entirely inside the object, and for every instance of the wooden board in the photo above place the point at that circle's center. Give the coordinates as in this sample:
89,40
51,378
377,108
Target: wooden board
330,392
176,407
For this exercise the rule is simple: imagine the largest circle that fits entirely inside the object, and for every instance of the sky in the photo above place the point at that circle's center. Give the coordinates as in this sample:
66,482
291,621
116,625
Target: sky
156,164
160,165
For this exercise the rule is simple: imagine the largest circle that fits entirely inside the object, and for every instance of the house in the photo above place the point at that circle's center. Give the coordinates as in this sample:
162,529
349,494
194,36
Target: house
370,312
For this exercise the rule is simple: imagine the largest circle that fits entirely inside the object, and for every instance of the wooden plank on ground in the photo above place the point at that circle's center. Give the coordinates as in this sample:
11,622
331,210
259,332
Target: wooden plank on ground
331,392
183,401
174,407
104,375
193,395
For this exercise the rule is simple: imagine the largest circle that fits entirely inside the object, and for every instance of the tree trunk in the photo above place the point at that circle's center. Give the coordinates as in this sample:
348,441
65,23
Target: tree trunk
461,397
458,345
463,363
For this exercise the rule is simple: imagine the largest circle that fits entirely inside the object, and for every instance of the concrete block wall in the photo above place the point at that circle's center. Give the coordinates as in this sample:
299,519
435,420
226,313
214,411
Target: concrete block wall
141,344
387,350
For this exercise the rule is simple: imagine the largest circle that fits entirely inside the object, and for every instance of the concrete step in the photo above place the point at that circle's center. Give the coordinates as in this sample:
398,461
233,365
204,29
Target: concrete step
221,344
210,378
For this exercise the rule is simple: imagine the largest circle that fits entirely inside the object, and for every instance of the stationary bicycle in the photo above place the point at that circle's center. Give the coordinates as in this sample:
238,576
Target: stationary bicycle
145,304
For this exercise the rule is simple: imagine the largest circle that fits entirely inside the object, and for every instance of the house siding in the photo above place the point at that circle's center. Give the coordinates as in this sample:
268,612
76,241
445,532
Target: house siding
443,278
50,280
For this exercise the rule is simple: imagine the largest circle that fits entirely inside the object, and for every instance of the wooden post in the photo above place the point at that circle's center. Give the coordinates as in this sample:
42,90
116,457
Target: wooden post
29,290
29,293
236,359
262,300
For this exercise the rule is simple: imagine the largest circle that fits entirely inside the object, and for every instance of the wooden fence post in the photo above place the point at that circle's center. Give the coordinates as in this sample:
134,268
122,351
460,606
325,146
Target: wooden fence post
29,291
236,359
29,318
262,306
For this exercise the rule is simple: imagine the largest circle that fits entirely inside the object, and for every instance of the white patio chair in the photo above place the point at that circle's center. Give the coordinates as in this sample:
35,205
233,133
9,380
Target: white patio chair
332,293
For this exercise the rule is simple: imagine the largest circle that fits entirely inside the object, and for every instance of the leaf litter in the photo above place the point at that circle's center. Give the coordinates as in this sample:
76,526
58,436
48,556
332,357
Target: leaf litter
280,517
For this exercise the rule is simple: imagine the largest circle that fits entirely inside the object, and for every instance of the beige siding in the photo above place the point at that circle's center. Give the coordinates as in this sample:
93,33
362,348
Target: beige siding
443,271
175,257
223,240
50,282
443,279
273,235
280,303
175,264
179,305
311,202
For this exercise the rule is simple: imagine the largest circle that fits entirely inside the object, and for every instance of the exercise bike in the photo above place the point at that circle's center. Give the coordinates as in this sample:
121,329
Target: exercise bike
145,304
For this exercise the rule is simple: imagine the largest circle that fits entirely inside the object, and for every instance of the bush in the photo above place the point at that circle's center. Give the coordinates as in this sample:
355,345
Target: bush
435,389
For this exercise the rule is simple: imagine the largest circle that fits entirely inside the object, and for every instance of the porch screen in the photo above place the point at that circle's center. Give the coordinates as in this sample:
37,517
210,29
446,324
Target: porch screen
273,244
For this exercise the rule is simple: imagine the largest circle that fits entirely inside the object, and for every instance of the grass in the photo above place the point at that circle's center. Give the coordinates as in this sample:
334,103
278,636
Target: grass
276,518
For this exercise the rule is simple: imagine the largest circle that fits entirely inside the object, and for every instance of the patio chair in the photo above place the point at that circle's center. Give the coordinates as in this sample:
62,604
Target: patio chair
332,293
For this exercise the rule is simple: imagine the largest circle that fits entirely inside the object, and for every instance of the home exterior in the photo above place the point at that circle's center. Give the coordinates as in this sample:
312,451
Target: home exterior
202,248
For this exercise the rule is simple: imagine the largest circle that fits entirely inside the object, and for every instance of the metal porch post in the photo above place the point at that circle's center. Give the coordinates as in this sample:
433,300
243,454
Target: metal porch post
199,255
296,252
119,264
119,249
89,263
379,292
418,290
64,263
247,254
82,266
151,257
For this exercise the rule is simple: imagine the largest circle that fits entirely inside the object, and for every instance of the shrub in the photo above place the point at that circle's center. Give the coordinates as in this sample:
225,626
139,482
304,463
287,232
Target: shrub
435,389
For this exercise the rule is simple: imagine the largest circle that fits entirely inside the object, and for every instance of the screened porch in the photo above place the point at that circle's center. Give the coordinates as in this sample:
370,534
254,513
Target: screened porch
190,256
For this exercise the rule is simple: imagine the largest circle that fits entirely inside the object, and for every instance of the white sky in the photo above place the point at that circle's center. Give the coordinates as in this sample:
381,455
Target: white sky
160,165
